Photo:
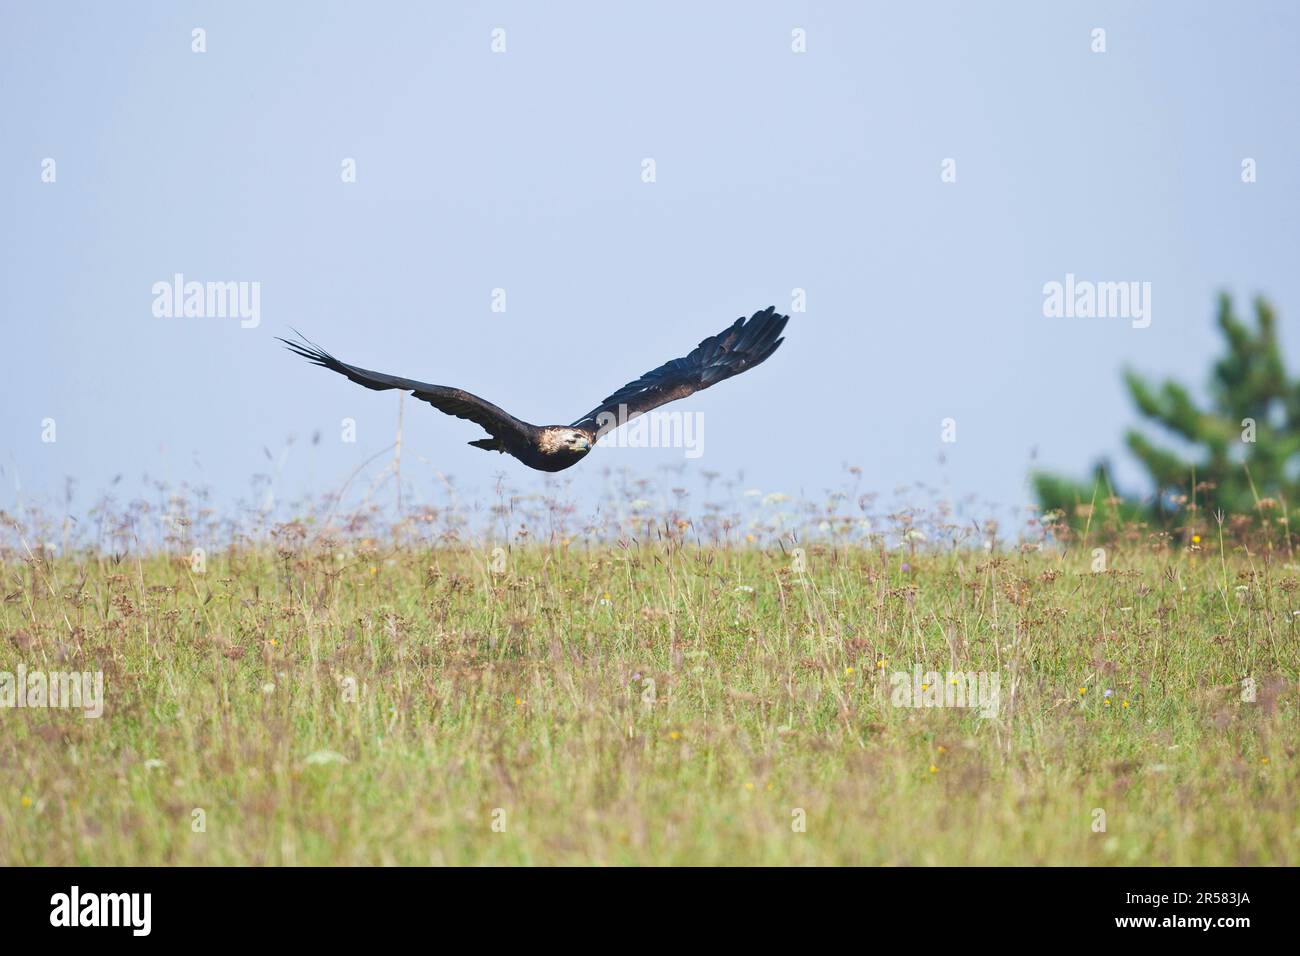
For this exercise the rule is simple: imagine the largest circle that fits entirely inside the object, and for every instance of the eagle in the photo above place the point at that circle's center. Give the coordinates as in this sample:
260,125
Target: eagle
740,346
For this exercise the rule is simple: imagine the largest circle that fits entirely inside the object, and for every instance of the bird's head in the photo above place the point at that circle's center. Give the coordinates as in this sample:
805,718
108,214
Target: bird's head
564,440
577,441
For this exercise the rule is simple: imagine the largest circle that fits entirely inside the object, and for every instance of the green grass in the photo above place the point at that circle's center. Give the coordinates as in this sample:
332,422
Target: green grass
377,705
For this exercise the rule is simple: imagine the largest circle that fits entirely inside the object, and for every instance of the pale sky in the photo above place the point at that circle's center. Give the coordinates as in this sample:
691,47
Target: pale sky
521,170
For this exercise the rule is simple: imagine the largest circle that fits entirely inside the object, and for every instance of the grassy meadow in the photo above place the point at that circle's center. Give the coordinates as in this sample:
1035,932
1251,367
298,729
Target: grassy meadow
654,701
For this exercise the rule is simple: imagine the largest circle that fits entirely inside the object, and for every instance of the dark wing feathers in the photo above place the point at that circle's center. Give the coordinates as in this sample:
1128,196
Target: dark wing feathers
453,401
740,346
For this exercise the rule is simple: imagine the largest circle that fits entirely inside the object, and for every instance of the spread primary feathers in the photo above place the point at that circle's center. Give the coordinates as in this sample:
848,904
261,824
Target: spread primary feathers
740,346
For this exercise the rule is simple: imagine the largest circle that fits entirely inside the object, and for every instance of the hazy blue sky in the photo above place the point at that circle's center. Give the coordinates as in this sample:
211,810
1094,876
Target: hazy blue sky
522,170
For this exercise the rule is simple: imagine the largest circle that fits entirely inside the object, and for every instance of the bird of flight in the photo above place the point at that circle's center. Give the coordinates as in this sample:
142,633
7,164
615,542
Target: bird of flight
740,346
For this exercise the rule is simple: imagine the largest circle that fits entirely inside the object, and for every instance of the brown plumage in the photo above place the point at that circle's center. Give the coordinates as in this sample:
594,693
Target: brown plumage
740,346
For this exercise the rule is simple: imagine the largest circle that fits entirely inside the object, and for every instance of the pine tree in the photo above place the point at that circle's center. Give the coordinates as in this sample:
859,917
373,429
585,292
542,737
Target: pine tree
1242,445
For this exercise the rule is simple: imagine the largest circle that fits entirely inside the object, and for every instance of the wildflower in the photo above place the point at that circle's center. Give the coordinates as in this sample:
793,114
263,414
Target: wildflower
749,786
933,769
1108,693
881,664
749,538
674,735
1124,704
943,749
1196,539
268,688
373,570
27,802
1083,690
605,601
848,670
911,534
906,567
519,702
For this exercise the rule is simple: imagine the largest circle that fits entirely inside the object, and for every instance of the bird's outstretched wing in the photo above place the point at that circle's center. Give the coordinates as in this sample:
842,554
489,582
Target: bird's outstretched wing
454,401
740,346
